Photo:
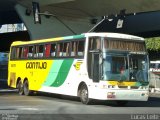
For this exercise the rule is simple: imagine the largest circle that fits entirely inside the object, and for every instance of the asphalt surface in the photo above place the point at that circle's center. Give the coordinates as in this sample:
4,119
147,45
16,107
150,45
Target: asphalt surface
51,106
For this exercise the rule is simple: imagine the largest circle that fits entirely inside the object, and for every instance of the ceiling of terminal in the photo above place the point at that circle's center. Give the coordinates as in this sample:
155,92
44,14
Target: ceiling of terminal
75,9
81,8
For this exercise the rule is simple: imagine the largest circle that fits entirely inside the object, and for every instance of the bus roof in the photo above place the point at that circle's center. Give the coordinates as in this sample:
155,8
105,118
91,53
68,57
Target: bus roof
105,34
49,39
115,35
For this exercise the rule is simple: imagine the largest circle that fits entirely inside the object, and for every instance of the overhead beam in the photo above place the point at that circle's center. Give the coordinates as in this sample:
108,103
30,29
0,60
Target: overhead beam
28,3
49,2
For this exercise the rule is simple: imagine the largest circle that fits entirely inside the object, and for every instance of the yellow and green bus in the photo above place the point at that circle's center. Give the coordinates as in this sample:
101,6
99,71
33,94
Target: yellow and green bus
101,66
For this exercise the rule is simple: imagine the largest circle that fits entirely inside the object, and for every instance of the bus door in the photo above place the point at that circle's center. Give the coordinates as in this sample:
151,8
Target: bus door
96,66
94,60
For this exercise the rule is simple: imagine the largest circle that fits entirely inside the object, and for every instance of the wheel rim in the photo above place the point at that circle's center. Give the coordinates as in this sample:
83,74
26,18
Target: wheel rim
84,95
26,90
20,88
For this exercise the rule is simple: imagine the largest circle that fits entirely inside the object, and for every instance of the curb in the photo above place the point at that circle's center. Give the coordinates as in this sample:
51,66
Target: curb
8,90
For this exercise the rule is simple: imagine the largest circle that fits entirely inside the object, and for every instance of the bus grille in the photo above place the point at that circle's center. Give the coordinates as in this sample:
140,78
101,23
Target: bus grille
127,87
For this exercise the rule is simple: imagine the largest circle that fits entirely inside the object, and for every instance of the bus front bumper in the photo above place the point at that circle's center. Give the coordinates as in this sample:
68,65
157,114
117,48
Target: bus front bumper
120,94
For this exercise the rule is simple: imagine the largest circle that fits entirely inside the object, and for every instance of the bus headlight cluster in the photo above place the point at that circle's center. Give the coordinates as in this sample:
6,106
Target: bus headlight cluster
144,94
107,86
144,87
111,86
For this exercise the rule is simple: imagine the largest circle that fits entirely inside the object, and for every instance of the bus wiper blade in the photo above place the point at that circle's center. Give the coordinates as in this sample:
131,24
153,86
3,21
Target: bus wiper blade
111,80
144,83
121,80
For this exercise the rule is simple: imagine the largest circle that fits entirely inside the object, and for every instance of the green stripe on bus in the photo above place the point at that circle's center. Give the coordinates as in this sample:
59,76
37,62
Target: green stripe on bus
63,73
78,36
53,73
74,37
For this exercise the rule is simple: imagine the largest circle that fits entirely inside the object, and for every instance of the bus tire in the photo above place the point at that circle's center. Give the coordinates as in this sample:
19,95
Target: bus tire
20,88
121,103
83,93
27,92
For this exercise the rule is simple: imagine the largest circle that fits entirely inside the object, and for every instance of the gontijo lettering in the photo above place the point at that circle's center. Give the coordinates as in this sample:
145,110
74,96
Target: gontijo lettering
36,65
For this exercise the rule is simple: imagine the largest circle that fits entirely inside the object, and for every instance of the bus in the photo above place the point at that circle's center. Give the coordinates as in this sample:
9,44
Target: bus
154,76
92,66
155,66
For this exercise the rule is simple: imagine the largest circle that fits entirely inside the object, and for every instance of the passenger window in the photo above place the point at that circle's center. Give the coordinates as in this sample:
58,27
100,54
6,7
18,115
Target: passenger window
74,48
30,52
19,52
94,44
81,48
59,49
25,53
47,50
38,52
66,49
13,53
53,50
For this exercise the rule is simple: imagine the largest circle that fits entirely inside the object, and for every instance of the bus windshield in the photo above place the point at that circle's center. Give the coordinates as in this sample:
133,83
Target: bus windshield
115,67
125,67
138,68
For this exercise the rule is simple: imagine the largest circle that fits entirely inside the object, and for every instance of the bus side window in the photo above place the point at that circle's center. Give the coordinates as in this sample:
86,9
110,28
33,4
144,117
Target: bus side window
95,44
19,52
66,49
81,48
25,53
30,52
36,48
74,48
91,44
40,51
59,49
98,44
47,50
53,50
13,53
106,43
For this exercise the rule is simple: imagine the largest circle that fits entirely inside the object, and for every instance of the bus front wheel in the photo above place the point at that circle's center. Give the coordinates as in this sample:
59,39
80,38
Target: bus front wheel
84,94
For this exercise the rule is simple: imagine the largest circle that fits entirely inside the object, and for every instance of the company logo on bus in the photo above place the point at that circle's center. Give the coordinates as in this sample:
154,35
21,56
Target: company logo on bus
77,65
36,65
